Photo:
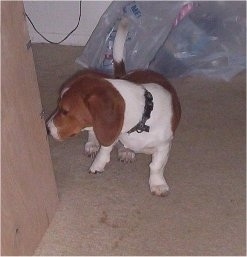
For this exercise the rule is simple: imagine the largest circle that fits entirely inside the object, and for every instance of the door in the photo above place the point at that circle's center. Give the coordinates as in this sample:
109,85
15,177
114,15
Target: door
28,188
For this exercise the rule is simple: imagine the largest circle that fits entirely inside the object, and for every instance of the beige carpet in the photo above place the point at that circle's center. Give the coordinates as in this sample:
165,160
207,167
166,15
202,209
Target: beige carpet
115,214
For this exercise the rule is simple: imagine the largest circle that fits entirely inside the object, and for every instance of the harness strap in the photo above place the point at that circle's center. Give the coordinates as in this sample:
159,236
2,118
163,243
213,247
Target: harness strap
141,126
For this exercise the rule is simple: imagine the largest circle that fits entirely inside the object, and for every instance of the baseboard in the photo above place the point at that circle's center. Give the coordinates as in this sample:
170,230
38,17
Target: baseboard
74,39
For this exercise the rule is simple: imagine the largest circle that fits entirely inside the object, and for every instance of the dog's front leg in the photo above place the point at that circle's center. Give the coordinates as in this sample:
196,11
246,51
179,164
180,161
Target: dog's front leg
157,182
92,146
102,158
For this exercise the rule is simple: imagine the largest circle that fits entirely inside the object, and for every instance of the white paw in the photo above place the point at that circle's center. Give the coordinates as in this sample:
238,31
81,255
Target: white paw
159,190
96,169
126,155
91,149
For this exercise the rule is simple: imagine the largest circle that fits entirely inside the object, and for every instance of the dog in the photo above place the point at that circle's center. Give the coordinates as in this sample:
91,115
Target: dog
140,109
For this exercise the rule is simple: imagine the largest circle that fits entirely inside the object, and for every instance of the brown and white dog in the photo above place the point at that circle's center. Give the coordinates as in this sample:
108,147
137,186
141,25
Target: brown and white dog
141,110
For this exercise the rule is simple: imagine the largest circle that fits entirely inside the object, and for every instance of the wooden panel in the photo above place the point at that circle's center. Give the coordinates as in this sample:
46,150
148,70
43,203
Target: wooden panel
28,193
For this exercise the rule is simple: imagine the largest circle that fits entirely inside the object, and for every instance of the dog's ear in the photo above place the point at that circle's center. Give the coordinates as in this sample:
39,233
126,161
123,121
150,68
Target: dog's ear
107,109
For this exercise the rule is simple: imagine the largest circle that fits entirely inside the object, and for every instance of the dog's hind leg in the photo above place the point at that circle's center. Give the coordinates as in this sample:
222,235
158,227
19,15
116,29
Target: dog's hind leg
92,146
157,182
125,154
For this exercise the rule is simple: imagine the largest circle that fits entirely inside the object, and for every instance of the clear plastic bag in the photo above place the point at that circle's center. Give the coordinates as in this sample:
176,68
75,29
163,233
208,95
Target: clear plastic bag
173,38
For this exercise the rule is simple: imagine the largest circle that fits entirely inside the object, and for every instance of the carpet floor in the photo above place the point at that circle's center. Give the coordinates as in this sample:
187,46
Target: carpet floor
115,214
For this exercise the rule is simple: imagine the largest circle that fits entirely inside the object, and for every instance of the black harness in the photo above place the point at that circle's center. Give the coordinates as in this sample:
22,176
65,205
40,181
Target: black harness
141,126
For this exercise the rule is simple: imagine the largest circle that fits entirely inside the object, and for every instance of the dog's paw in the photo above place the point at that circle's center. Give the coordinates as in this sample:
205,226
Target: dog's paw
96,167
159,190
91,149
95,172
126,155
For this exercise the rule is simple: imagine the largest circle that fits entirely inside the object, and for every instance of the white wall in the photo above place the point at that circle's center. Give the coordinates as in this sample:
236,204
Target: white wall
55,19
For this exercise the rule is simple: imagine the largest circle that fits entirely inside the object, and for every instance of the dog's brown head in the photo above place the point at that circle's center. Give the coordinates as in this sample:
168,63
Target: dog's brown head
88,100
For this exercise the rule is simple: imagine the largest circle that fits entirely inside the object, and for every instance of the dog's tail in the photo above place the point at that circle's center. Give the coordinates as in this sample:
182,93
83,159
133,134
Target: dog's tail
118,48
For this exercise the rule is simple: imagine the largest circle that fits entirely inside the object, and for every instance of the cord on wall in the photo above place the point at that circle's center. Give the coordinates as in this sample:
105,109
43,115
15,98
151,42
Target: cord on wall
79,19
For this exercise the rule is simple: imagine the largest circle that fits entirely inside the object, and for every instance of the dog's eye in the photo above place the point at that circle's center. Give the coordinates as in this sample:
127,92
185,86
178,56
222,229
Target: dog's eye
64,112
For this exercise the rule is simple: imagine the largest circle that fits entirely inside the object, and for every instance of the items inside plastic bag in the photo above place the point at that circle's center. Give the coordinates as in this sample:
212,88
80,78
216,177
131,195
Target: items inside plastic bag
173,38
210,41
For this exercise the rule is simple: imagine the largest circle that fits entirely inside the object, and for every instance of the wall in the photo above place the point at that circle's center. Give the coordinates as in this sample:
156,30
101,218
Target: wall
28,188
55,19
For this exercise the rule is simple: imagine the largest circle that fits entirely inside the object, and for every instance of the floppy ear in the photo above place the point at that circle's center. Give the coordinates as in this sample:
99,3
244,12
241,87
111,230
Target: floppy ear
107,110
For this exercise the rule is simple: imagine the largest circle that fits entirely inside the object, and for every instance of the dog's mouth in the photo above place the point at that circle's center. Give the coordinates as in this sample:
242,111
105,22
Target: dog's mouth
73,135
53,131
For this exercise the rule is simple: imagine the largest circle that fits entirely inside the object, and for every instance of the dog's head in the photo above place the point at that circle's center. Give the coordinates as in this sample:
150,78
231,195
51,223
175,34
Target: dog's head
88,101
